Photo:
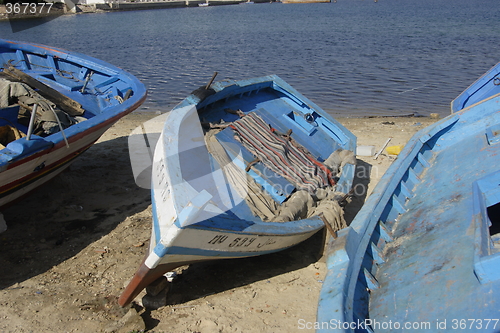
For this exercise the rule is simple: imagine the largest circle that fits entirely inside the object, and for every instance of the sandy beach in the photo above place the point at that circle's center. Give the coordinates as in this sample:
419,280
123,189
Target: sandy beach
73,245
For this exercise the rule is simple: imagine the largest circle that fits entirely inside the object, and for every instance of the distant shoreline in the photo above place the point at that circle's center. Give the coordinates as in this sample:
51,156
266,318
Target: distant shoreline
59,9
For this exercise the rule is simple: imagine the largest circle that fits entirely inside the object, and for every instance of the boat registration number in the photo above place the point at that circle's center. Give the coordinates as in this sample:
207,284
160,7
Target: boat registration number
241,241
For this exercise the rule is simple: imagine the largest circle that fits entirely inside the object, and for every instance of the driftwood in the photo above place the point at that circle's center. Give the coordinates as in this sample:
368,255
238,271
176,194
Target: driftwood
71,107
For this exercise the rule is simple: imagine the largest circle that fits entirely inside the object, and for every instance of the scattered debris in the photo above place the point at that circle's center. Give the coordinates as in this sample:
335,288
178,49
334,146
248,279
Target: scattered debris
382,149
171,276
157,286
151,302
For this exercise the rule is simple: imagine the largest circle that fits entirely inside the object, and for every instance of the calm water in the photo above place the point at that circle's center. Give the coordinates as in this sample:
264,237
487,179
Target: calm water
353,57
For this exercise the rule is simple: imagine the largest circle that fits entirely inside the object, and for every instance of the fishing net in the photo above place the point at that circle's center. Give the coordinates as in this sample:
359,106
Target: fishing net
315,193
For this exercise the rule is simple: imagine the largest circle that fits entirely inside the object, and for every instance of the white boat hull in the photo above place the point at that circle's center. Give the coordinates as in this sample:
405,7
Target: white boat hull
28,174
209,205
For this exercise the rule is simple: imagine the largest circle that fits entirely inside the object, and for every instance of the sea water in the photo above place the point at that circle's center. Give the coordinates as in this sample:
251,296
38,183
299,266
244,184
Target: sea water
351,57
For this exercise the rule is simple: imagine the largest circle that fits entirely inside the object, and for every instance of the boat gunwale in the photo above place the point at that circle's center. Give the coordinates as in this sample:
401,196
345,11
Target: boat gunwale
72,56
476,86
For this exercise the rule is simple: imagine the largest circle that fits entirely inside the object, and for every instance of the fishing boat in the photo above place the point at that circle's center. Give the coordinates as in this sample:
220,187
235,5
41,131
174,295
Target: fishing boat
423,254
54,105
243,168
486,86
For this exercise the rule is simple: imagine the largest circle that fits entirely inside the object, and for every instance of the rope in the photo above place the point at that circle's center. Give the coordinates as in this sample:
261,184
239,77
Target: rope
259,202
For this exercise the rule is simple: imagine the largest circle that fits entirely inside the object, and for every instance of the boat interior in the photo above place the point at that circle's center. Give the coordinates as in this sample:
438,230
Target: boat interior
94,86
65,92
287,123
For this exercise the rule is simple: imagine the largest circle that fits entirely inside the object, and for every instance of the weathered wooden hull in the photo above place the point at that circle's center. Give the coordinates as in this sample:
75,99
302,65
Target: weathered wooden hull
421,254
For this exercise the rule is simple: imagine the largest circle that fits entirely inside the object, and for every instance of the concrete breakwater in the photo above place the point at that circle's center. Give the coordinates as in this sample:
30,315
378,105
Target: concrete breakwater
8,12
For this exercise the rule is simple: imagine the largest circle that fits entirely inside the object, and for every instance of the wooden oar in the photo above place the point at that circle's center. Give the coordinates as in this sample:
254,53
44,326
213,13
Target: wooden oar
72,107
211,81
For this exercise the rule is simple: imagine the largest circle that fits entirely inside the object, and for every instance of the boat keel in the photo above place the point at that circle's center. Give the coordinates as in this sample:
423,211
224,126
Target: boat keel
142,278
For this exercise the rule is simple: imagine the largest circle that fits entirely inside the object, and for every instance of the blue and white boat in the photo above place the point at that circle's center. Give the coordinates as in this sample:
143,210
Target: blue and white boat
54,104
486,86
423,252
241,169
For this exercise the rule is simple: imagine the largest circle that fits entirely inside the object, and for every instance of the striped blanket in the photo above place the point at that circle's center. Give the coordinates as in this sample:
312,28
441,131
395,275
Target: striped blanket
281,154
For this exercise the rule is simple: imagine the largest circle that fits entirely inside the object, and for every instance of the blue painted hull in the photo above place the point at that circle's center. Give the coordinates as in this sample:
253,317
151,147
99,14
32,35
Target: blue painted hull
197,213
103,93
484,87
421,254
